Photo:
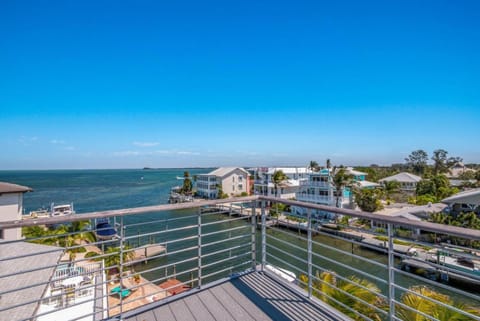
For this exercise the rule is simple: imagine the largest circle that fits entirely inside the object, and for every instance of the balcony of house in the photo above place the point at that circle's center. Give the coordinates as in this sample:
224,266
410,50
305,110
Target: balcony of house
204,261
315,198
312,183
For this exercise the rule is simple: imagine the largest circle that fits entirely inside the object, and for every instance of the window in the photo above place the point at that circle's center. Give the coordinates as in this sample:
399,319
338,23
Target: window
1,234
240,186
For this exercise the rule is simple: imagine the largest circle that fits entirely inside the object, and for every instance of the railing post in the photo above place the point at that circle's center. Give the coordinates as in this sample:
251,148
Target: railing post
264,237
309,251
199,228
254,235
122,240
391,275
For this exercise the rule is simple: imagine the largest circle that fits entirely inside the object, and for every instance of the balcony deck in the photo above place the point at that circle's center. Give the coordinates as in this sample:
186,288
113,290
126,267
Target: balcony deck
253,296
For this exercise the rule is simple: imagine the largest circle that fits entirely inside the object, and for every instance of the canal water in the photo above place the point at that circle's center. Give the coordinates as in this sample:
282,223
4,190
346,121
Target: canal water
97,190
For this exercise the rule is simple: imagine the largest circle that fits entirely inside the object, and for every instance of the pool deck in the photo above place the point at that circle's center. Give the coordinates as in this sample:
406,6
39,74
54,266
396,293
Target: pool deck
254,296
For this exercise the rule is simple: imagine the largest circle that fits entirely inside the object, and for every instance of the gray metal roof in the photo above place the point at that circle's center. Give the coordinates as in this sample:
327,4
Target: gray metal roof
402,177
13,188
31,284
467,197
223,171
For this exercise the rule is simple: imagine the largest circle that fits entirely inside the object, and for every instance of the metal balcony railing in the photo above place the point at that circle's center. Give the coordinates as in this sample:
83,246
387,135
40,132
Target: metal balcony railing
61,272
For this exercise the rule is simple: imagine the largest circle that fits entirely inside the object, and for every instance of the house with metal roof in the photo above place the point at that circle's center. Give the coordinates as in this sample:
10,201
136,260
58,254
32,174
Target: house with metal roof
466,201
229,180
408,182
11,208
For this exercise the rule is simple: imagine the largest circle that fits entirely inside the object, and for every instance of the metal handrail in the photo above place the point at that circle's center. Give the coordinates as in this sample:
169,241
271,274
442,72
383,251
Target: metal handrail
268,250
433,227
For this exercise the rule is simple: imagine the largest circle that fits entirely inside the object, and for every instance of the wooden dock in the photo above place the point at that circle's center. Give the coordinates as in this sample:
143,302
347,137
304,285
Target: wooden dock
148,250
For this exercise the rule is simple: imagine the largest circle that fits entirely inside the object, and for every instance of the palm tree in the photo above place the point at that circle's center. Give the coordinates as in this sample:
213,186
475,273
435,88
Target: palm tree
429,307
187,183
333,291
112,261
314,166
278,178
329,164
341,179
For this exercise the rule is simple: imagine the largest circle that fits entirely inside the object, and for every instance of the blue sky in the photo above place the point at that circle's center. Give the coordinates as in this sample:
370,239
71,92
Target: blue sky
115,84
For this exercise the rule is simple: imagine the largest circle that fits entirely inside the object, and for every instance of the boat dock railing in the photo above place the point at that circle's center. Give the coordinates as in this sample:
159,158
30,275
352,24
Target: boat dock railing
362,273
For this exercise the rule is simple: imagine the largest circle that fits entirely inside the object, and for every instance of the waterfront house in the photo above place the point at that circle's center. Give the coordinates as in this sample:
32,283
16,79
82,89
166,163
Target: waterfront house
408,182
287,190
459,169
320,189
11,208
229,180
467,201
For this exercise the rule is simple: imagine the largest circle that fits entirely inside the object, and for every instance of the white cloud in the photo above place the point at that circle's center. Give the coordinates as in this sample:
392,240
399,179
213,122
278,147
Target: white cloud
126,153
57,142
187,153
145,144
130,153
27,140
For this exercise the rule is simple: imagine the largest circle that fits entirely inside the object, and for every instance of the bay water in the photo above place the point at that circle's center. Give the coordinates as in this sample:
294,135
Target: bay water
98,190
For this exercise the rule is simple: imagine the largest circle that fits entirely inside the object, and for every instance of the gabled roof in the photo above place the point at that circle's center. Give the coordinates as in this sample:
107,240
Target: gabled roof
467,197
403,177
366,184
13,188
223,171
353,172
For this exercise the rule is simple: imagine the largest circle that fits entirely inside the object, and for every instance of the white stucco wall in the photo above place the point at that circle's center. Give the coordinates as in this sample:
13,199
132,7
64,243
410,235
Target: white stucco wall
10,210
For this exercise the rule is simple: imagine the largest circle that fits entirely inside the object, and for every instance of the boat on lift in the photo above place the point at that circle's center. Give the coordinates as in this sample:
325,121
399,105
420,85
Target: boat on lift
104,230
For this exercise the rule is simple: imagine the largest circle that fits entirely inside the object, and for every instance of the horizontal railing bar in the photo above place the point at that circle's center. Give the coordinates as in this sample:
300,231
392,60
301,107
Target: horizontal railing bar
227,249
162,220
225,240
286,253
349,254
286,263
225,260
70,305
342,304
451,307
434,227
121,212
226,230
188,227
174,275
352,296
441,267
169,265
348,267
191,248
437,284
163,289
226,221
287,243
413,310
350,281
226,269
